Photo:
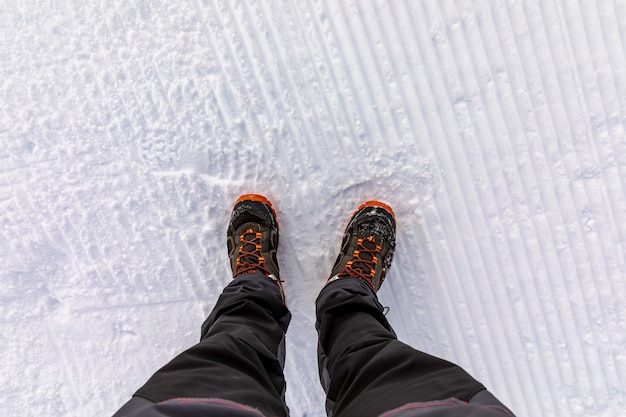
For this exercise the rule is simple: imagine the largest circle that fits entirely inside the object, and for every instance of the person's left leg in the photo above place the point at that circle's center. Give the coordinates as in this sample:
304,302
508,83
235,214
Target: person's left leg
240,356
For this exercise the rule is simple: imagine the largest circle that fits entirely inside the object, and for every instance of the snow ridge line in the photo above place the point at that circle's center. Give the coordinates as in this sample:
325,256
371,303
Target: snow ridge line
380,55
333,90
548,67
310,82
542,200
440,263
242,76
460,129
483,126
434,129
268,90
222,95
602,253
518,253
561,120
546,197
186,267
374,134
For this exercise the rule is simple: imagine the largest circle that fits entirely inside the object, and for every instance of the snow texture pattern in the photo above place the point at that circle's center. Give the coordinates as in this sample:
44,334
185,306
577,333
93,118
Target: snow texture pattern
495,130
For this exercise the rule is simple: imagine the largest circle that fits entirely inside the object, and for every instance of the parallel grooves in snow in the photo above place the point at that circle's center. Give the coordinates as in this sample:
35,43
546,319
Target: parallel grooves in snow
606,299
297,133
486,131
495,129
324,91
515,177
563,125
446,269
455,272
468,202
564,322
375,135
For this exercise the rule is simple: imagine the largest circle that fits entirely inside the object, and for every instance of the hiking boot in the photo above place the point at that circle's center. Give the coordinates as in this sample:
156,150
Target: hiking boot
252,238
368,245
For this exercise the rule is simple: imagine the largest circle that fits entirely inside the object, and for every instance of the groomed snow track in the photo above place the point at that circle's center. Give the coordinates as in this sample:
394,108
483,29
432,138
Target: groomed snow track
495,129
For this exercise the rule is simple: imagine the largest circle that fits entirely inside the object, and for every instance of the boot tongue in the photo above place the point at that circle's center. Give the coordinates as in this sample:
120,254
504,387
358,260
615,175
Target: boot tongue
247,217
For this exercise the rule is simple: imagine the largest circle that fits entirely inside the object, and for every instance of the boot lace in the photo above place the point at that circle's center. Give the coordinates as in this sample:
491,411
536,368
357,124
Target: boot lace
250,258
364,260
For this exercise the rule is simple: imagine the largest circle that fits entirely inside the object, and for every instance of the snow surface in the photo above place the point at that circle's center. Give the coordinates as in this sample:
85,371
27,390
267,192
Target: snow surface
495,129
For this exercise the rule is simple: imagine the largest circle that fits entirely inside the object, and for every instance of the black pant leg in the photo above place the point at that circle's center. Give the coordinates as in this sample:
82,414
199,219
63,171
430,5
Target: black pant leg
240,356
364,369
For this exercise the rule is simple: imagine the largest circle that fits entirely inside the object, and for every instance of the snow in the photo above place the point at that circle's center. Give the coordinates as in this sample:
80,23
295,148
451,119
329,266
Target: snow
494,129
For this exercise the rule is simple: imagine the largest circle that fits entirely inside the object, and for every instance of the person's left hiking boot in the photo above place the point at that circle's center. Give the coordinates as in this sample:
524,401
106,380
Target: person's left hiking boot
368,245
252,238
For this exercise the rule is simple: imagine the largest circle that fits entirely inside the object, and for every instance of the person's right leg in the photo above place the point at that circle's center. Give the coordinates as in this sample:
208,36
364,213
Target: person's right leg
364,369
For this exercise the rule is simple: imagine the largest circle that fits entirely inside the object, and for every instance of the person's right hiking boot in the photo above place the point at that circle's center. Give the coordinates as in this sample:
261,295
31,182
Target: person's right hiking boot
368,245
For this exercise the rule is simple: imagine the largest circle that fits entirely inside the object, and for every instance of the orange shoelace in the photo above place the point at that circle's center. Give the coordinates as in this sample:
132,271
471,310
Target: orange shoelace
250,258
364,260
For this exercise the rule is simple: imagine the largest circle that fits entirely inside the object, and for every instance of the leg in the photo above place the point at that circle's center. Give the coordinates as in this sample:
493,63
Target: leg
241,353
240,356
364,369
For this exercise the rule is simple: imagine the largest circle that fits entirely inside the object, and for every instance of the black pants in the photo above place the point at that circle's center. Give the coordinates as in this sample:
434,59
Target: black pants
364,369
241,353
